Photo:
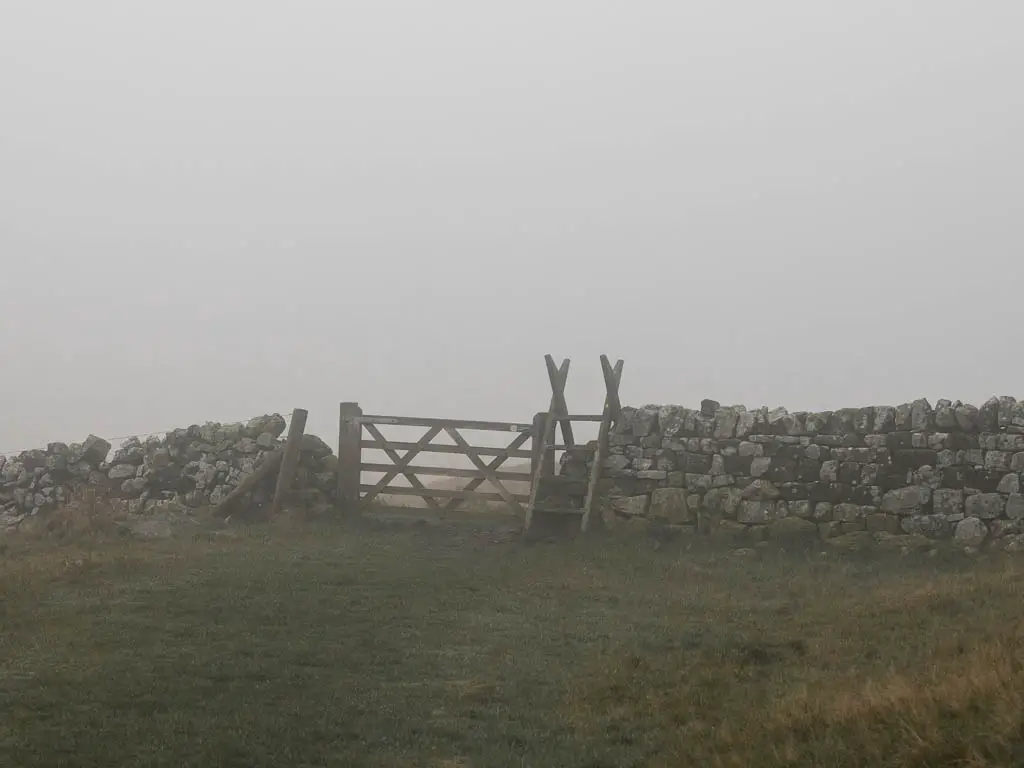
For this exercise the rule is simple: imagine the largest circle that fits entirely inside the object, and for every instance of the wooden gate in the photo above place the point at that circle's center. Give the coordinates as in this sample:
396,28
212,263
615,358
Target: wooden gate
360,432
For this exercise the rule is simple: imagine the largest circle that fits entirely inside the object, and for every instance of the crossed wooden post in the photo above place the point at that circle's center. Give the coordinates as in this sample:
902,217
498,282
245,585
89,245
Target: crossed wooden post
609,417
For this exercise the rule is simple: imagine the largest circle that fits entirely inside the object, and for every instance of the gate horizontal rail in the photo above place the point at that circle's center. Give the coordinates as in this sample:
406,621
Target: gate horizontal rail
397,445
486,426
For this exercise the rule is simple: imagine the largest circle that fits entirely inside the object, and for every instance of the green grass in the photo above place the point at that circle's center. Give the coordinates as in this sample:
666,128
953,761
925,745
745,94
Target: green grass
415,646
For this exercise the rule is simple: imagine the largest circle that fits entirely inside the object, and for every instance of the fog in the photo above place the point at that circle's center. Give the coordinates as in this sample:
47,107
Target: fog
210,210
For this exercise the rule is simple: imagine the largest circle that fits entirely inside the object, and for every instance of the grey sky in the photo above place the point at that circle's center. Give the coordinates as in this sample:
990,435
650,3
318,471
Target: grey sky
214,208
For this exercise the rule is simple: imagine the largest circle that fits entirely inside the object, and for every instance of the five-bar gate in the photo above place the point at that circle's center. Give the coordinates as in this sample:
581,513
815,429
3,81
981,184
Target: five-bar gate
367,430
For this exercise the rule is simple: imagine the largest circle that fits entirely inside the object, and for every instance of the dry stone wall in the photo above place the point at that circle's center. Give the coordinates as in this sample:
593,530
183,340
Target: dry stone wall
951,470
191,467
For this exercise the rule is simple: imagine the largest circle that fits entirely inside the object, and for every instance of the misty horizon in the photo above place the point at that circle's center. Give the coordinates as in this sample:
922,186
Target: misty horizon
209,211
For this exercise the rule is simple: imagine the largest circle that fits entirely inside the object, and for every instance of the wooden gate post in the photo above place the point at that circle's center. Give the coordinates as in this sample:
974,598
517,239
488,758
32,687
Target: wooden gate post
290,460
350,458
539,457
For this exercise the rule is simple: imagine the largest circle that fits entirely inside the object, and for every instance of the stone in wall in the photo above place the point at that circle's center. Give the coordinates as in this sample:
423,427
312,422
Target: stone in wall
194,467
911,469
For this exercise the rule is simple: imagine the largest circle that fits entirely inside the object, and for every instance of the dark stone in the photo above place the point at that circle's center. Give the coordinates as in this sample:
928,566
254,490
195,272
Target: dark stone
865,455
899,440
843,422
312,444
985,480
95,449
850,440
33,460
791,452
864,420
627,415
697,463
781,471
738,465
818,452
182,484
962,441
891,477
647,486
945,416
706,426
663,460
831,492
794,491
809,471
988,415
866,495
709,407
849,473
955,477
915,458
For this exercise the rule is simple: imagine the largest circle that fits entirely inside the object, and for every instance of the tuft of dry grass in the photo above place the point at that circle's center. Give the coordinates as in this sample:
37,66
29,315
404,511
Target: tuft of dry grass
396,645
86,516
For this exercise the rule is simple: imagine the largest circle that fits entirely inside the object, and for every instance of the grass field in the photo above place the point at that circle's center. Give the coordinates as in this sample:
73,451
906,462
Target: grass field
418,646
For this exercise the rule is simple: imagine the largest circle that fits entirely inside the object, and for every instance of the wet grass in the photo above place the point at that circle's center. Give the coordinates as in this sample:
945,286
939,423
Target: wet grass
416,646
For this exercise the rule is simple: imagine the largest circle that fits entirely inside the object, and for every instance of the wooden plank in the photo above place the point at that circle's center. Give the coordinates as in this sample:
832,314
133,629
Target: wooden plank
486,426
497,462
265,470
499,510
397,445
611,385
443,493
595,417
479,464
349,458
448,472
557,378
399,460
602,449
290,460
544,510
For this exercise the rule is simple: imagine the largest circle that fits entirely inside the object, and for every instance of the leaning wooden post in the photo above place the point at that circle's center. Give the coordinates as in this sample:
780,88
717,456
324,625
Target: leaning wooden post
270,463
290,460
350,458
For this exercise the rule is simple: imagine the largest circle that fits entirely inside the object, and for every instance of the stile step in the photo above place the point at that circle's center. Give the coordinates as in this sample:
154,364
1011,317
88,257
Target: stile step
546,510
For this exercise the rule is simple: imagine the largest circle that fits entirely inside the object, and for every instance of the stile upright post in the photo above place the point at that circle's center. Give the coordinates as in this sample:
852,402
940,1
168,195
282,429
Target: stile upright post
350,433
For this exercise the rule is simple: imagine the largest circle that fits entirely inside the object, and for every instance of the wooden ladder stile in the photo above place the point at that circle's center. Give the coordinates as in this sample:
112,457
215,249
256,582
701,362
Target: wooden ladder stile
558,413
